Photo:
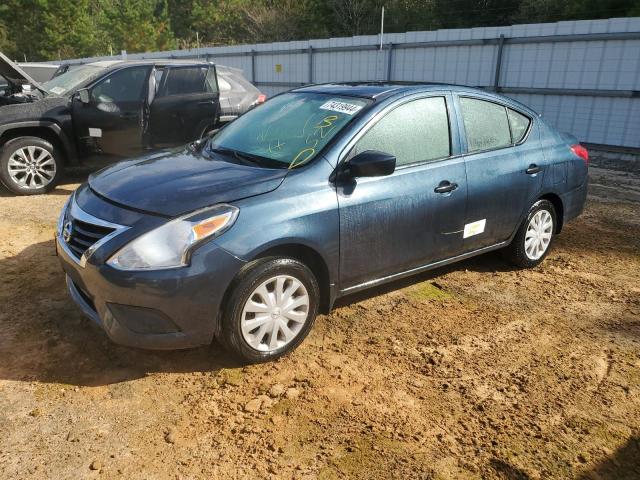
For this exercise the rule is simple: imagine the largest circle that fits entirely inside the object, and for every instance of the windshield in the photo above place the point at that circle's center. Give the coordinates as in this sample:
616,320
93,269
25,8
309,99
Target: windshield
71,79
289,130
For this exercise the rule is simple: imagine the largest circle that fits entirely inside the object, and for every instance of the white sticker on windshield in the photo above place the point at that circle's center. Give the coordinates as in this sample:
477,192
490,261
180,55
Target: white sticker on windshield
57,90
474,228
342,107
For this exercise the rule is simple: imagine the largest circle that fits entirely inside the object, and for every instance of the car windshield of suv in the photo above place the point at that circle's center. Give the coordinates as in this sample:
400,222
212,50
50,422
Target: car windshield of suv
287,131
71,79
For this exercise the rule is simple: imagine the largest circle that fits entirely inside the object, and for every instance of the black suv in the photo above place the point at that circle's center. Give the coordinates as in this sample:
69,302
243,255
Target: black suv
115,108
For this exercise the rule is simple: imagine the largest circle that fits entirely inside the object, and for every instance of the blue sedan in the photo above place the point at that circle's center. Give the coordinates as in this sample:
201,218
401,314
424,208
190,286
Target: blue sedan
318,193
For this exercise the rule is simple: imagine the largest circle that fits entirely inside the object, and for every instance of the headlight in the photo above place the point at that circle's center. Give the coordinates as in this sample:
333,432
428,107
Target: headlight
63,215
170,245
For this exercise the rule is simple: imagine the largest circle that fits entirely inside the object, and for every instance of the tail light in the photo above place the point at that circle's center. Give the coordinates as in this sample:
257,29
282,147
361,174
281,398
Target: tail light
261,98
581,152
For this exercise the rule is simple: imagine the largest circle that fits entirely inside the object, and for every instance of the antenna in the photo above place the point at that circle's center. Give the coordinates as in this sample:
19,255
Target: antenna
381,27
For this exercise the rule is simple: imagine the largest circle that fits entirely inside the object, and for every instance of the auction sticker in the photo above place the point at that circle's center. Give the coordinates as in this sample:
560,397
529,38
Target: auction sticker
342,107
475,228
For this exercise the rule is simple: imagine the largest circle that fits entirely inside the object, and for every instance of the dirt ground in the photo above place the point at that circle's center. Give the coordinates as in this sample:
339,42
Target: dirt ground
472,371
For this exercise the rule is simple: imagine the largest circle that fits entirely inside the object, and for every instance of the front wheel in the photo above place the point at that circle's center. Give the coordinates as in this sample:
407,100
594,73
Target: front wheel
30,165
534,237
271,309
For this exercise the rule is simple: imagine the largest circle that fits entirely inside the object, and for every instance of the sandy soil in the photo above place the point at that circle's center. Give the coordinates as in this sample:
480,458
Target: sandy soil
472,371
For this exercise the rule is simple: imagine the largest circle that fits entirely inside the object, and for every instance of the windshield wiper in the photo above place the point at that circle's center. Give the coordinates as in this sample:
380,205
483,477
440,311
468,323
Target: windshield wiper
248,157
243,157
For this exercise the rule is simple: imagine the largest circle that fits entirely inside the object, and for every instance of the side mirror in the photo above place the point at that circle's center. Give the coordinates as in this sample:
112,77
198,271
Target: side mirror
371,163
83,95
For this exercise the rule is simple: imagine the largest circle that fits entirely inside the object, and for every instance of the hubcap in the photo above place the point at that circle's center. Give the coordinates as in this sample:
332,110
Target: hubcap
32,167
275,313
538,236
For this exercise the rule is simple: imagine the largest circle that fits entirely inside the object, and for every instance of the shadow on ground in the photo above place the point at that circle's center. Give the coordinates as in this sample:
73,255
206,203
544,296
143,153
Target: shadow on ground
624,464
46,338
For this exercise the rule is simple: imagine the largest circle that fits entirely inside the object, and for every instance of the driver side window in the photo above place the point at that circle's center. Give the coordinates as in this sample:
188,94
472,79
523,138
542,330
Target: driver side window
415,132
125,85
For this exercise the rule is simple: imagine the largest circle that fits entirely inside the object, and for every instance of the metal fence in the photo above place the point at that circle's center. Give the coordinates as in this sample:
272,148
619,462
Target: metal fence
582,76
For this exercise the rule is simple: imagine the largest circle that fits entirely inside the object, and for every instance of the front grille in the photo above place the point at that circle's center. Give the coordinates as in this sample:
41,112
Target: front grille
84,235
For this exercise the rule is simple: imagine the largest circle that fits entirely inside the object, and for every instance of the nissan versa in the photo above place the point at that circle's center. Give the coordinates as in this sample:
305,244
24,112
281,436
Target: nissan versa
320,192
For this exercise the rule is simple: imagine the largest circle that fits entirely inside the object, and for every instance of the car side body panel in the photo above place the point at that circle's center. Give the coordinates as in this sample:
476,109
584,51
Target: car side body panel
303,210
393,226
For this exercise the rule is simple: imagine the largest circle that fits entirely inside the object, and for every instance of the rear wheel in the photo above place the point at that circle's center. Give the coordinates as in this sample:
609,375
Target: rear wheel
534,237
271,309
30,165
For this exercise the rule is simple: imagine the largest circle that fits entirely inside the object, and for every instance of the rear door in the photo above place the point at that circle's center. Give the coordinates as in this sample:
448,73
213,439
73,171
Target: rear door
402,221
186,104
504,169
111,123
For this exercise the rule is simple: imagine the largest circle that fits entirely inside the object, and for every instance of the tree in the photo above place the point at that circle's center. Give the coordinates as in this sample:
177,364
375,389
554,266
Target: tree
136,25
76,36
53,29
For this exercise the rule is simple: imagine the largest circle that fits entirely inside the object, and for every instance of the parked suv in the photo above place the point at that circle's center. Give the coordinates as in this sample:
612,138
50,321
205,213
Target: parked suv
116,108
237,94
318,193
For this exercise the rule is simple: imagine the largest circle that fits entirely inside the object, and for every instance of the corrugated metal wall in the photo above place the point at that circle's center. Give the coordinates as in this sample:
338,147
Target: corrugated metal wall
583,76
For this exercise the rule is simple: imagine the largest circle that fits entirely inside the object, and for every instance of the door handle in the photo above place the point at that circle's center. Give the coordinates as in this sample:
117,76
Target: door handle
128,115
445,187
533,169
206,102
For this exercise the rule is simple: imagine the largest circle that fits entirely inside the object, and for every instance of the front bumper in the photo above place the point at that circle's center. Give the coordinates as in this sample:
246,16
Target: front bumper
164,309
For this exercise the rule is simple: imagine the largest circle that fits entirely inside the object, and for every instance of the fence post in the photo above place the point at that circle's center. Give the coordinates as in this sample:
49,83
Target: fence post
496,78
253,66
389,62
310,64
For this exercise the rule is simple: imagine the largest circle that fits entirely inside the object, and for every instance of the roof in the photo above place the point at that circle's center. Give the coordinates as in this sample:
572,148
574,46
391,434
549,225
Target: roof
155,61
382,90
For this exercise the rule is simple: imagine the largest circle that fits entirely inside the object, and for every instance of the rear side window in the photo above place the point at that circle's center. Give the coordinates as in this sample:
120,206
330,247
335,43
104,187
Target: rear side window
183,81
417,131
485,124
519,125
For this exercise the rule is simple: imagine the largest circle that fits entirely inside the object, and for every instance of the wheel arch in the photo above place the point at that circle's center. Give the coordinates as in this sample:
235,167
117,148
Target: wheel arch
556,201
50,132
312,259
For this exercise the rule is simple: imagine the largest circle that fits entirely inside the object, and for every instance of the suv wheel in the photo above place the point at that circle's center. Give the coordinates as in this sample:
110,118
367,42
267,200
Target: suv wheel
30,165
271,309
534,237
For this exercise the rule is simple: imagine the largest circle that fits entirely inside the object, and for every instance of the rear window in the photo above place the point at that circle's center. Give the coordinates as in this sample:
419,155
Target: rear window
185,80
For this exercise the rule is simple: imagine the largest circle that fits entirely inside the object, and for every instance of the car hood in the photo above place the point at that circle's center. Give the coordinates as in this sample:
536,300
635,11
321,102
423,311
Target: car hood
175,183
15,75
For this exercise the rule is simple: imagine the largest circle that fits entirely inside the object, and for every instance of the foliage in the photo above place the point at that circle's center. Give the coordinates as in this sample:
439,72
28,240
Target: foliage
54,29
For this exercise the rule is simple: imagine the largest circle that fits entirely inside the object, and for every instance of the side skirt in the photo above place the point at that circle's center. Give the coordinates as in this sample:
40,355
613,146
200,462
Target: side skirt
423,268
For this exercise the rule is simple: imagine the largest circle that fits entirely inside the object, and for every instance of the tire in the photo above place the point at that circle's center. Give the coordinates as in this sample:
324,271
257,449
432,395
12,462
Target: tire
237,330
525,255
34,153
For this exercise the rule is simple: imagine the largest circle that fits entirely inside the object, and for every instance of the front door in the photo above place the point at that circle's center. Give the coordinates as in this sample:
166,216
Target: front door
185,106
504,170
413,217
112,121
